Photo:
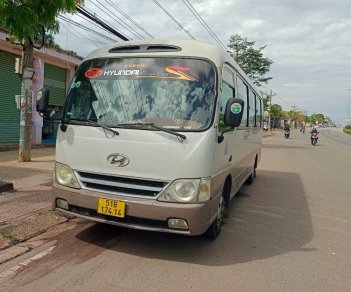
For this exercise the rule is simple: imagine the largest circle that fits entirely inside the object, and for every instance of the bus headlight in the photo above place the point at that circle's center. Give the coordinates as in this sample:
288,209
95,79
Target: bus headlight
64,175
187,191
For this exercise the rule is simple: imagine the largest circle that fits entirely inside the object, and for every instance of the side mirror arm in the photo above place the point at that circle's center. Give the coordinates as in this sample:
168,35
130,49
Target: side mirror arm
221,137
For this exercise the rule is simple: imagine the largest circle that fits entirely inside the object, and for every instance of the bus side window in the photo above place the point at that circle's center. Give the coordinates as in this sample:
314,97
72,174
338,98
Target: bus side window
227,92
258,112
242,94
252,109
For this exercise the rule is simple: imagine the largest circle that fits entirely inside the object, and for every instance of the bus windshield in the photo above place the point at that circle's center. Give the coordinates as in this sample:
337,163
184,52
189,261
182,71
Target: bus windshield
168,92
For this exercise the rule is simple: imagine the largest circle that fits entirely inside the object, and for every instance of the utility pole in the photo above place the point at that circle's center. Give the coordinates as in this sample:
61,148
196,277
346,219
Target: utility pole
348,118
271,94
25,141
294,112
26,116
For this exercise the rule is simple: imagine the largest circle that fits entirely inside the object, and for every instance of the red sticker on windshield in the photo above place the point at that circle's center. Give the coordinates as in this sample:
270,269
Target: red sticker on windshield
93,73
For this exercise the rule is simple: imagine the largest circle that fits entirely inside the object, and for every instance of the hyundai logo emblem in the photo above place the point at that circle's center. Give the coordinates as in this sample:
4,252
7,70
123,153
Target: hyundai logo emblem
118,160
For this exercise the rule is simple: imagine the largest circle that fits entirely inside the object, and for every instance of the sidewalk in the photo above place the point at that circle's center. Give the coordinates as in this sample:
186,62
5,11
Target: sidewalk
26,211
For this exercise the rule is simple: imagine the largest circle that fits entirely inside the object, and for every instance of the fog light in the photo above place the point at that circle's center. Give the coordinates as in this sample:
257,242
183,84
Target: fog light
177,224
62,204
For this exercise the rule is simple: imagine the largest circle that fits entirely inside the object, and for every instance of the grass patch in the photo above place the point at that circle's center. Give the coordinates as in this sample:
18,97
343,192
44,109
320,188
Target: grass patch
6,234
347,131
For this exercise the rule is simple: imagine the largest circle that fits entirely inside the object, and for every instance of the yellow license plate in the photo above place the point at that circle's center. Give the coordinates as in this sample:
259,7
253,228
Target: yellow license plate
111,207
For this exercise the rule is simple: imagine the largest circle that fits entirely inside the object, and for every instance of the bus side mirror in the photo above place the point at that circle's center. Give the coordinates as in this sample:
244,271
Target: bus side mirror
232,115
42,98
234,112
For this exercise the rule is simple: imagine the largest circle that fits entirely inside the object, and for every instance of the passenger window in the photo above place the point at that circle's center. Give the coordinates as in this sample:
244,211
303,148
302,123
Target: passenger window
242,94
227,92
258,112
252,109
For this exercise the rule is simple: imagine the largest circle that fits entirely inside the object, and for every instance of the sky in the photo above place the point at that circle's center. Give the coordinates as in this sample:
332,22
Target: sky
309,41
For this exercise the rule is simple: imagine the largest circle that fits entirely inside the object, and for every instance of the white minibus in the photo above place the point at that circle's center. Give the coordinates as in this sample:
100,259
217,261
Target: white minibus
156,135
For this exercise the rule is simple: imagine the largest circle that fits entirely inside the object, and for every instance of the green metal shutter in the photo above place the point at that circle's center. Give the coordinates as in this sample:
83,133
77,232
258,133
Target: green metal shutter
55,81
10,85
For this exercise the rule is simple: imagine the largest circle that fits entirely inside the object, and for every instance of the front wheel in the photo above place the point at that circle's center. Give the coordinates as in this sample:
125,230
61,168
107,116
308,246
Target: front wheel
216,227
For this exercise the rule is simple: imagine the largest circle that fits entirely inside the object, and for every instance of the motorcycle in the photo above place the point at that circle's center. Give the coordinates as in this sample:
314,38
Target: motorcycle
314,138
286,134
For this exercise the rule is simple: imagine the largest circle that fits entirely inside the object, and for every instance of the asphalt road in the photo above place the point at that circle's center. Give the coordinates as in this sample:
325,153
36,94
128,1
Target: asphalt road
289,231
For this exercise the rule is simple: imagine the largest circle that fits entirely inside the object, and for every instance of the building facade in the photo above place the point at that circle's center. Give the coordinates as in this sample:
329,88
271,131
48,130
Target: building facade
52,69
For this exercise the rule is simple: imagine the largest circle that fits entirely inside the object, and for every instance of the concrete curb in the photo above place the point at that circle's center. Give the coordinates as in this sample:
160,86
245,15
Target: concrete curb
16,231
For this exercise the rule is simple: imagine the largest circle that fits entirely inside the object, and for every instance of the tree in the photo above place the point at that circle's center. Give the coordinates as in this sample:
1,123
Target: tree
250,59
317,118
27,21
276,113
266,102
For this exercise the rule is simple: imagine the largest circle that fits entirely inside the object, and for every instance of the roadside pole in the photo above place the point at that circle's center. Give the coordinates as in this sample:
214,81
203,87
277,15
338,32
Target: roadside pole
269,119
24,154
26,116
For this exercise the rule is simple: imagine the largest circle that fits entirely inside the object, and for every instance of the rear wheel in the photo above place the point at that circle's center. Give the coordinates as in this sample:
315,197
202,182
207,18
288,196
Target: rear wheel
250,179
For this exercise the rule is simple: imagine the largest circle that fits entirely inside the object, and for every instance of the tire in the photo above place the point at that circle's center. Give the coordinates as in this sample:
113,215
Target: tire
216,227
250,179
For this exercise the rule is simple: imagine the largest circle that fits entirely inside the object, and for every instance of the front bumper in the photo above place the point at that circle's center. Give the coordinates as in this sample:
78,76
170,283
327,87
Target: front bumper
141,213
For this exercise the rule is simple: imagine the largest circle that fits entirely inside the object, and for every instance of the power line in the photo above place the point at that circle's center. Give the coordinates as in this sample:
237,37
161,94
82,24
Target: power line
285,103
100,22
92,22
116,18
128,17
165,11
107,13
86,28
124,24
95,19
204,24
79,35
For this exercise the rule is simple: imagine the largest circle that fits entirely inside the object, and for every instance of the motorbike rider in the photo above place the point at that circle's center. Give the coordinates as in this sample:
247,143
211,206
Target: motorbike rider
287,128
286,131
313,131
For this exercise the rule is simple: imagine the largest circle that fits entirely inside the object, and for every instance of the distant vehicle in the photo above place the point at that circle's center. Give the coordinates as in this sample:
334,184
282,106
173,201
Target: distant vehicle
314,138
157,135
265,126
286,134
286,131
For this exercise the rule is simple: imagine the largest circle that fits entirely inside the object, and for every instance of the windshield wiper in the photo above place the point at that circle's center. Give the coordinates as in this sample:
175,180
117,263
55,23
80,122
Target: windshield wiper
91,122
180,137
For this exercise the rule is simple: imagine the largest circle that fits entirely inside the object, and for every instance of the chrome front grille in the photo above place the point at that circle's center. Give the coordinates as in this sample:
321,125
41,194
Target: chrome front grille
121,185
